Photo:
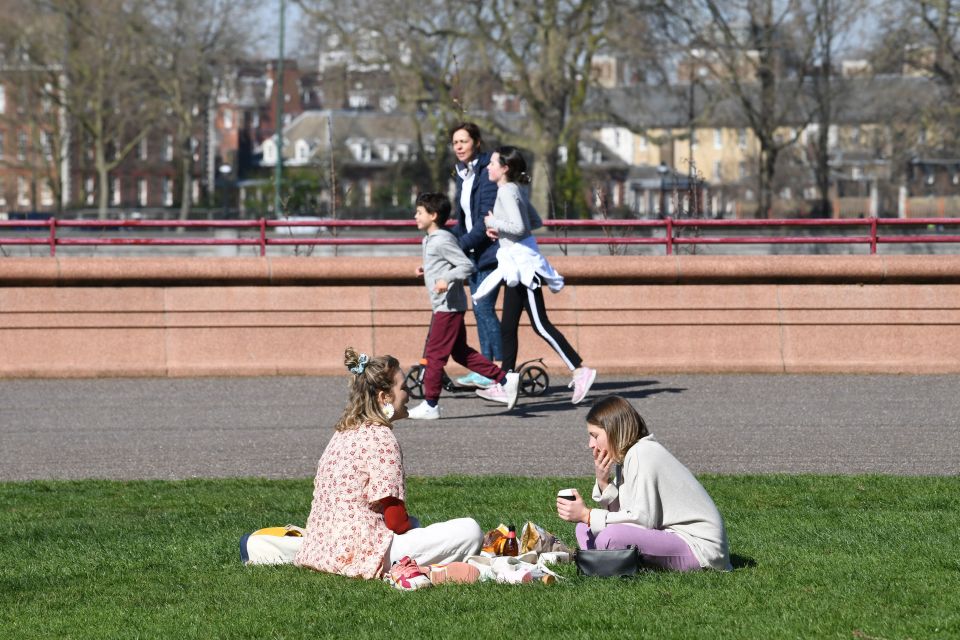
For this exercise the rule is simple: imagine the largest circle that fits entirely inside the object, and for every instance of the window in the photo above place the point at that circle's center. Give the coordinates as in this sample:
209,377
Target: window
142,192
195,191
742,138
255,120
46,195
23,192
167,187
3,194
269,152
117,192
302,151
384,151
168,148
3,99
22,146
228,118
143,149
717,170
1,145
45,146
643,142
88,188
718,138
742,170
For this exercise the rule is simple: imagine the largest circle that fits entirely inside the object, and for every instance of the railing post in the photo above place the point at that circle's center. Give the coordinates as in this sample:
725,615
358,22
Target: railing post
53,236
669,235
263,237
873,235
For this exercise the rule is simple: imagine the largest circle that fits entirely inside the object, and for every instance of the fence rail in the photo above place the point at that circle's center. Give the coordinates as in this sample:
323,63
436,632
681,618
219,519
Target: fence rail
667,232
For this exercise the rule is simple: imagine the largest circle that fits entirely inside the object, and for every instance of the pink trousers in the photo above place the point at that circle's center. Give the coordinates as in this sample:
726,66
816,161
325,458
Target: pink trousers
659,549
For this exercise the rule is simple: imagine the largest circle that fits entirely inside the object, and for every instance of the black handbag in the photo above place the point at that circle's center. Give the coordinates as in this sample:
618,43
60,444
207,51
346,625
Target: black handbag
608,563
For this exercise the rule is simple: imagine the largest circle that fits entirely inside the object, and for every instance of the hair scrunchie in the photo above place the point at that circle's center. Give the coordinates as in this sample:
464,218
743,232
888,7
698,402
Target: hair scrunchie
361,364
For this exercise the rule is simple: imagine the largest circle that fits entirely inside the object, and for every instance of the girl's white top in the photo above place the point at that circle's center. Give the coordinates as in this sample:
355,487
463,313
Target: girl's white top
658,492
518,259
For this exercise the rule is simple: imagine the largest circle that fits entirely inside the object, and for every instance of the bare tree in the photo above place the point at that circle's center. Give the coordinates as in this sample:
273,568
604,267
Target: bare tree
110,98
35,87
457,51
827,24
755,57
192,43
923,36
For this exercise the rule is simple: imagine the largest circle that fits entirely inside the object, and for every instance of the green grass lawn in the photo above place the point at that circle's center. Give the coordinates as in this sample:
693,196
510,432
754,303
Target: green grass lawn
815,557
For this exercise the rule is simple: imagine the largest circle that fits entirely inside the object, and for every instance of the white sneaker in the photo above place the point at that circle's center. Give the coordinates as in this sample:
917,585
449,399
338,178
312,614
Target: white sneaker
512,388
507,393
424,411
582,381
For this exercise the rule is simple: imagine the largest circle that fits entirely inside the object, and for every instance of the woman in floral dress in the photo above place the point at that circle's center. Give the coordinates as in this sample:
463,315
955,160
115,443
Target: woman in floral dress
358,524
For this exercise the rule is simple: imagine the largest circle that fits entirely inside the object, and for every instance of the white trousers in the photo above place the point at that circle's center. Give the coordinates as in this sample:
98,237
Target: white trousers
440,542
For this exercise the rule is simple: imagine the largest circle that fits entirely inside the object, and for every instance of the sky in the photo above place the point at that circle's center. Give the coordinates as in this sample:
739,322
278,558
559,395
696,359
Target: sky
270,19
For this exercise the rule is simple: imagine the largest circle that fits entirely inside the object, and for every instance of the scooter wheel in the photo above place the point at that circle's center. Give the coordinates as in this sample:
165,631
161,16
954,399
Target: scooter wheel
413,382
534,381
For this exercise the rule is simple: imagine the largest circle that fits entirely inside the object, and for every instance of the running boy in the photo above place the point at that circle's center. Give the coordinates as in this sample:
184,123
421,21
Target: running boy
444,269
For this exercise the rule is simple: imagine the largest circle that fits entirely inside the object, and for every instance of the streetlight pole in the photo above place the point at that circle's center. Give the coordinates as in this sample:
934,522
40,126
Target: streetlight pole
278,178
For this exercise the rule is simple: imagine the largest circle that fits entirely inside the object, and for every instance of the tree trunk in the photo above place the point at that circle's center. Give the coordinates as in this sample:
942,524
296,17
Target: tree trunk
103,179
186,192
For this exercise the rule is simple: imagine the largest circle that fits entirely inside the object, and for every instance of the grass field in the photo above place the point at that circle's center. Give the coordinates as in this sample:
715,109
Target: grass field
859,557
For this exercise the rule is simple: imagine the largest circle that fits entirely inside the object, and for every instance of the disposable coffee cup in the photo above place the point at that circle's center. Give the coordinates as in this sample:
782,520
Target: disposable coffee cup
566,494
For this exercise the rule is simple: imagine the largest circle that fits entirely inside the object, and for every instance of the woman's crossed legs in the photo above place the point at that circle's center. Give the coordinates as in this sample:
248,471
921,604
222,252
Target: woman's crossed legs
658,549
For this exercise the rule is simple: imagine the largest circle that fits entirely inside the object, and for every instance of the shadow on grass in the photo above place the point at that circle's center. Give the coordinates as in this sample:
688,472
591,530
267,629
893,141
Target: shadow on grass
742,562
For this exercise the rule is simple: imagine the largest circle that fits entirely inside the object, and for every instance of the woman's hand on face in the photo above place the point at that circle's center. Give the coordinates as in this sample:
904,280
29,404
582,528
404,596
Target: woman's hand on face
572,510
440,285
602,461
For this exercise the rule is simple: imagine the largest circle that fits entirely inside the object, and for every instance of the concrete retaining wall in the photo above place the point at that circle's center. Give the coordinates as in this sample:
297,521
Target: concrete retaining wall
89,317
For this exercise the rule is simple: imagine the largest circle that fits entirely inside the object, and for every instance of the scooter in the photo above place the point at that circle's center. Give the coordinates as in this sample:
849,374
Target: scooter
533,379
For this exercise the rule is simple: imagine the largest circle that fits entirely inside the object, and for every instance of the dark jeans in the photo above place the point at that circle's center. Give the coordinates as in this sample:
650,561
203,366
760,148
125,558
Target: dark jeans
488,325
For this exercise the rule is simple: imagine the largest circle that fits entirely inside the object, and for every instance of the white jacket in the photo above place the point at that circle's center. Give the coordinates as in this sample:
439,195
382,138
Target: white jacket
520,263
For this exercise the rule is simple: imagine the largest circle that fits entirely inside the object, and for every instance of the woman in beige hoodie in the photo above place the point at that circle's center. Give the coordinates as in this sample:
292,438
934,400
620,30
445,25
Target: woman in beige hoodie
647,497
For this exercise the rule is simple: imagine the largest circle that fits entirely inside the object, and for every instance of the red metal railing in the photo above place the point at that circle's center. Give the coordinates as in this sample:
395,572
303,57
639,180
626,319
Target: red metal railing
667,232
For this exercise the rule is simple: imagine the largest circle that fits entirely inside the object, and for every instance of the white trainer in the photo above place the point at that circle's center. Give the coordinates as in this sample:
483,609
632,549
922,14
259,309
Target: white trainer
582,381
512,388
424,411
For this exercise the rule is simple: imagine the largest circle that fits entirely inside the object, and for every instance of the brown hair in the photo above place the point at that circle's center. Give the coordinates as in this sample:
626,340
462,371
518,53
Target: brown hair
472,130
437,203
368,376
621,422
513,160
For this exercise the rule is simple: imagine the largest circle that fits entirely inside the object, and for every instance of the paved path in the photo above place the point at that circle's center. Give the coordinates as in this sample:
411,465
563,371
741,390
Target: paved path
277,427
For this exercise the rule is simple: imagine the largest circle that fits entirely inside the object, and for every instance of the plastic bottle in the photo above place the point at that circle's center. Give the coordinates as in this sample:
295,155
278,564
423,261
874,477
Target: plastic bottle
511,547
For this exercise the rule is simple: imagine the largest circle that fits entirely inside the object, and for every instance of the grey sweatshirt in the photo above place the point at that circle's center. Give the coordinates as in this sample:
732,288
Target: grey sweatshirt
514,216
658,492
443,259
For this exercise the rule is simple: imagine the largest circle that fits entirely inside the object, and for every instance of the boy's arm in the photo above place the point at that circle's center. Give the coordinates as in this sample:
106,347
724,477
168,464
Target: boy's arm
459,266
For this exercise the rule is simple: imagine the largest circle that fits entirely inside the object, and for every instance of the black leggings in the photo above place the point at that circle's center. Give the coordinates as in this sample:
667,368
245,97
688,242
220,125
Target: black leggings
515,301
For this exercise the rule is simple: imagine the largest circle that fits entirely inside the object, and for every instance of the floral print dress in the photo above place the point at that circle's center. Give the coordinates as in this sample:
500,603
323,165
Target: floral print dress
344,534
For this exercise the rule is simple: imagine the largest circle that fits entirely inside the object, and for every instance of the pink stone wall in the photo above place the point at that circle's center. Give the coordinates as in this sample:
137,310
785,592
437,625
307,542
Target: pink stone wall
293,316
